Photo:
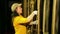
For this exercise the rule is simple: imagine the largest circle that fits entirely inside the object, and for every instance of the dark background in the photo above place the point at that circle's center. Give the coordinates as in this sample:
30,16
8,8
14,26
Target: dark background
5,17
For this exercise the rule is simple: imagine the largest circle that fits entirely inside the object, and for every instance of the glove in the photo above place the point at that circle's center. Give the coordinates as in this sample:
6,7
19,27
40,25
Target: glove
35,12
34,22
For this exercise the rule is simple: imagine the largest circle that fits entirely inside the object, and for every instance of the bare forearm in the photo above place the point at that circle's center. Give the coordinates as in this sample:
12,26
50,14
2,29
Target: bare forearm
30,17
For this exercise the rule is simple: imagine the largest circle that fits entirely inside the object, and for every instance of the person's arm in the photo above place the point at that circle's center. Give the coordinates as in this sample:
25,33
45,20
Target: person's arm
25,20
29,18
33,22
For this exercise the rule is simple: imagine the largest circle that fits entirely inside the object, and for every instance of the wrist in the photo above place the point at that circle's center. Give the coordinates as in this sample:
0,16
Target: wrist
33,13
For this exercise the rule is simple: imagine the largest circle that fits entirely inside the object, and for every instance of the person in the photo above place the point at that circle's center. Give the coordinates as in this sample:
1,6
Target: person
18,20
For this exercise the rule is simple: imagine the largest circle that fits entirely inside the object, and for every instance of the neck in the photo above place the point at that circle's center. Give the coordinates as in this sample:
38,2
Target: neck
19,14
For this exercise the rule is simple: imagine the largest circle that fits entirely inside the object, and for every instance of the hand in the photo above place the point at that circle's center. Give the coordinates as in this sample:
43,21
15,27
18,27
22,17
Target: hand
34,22
35,12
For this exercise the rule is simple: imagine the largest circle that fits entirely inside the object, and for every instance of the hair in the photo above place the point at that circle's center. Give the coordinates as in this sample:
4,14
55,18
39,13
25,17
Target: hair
14,14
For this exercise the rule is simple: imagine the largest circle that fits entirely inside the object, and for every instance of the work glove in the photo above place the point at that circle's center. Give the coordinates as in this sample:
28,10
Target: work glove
34,22
35,12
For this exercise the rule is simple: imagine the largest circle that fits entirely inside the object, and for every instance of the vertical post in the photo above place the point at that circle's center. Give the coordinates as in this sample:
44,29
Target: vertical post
38,15
24,8
54,16
57,20
29,31
32,8
44,11
47,15
28,7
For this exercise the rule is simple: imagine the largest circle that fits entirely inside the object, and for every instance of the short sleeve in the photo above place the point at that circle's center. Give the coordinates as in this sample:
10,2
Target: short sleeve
20,20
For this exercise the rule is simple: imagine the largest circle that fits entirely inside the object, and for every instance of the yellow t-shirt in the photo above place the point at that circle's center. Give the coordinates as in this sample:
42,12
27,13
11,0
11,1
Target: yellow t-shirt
19,29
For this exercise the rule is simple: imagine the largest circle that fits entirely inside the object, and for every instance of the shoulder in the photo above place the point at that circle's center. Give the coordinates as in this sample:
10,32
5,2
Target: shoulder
18,17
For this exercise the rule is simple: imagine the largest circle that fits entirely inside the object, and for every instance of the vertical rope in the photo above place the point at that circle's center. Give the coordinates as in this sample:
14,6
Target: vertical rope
57,20
28,7
25,8
32,8
38,15
28,15
53,17
44,10
47,15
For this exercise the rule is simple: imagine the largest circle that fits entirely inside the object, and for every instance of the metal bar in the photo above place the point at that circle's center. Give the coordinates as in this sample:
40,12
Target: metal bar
38,16
53,17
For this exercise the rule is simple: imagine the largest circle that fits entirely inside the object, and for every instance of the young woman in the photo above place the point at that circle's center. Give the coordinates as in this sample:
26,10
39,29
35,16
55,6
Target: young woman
18,20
